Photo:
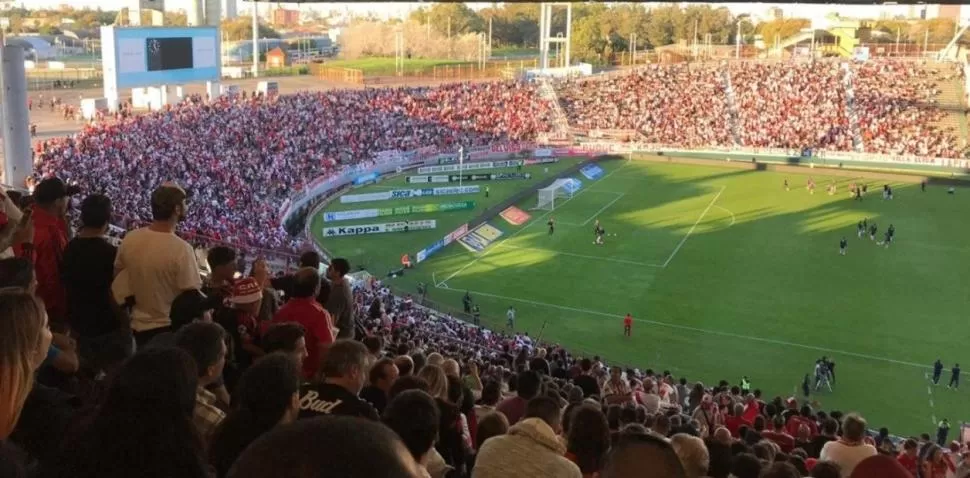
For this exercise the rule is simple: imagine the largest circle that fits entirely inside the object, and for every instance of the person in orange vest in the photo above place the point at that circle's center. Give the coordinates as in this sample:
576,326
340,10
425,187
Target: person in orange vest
406,261
628,325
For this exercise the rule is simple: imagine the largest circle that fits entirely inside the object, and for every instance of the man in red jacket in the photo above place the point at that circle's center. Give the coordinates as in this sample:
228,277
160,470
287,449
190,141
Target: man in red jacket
51,197
304,309
804,417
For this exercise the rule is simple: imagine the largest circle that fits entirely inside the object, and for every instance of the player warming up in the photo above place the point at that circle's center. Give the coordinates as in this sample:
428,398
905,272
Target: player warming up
599,232
628,325
810,186
510,317
552,225
842,245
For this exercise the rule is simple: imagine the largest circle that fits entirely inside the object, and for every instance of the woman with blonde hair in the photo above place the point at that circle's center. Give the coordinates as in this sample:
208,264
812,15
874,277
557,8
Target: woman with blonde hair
437,381
24,341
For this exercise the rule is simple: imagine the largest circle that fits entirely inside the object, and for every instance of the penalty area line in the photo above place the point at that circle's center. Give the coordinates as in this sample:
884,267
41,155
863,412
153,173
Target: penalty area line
691,230
750,338
534,221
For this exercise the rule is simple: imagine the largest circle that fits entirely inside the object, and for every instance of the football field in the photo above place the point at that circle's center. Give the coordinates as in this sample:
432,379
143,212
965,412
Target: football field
727,274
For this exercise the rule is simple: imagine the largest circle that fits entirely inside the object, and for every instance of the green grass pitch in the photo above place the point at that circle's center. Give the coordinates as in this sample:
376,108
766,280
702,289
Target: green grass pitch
727,274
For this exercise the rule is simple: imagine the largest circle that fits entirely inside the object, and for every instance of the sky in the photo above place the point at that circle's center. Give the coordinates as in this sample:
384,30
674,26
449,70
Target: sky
403,8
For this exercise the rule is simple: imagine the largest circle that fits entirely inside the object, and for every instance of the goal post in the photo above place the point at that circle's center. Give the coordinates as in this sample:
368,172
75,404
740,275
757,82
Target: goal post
561,188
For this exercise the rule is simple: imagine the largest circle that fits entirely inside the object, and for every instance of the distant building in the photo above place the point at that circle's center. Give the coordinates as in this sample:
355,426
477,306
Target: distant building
286,18
277,58
951,11
774,13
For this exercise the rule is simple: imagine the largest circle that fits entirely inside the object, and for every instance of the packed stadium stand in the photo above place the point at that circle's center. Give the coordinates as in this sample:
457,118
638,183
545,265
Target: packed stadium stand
272,371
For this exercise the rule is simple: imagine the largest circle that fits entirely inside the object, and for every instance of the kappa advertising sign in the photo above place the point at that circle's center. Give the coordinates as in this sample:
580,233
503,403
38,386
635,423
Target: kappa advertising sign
361,229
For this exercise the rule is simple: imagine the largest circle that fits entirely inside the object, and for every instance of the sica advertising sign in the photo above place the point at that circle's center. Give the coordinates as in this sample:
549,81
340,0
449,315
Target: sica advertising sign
361,229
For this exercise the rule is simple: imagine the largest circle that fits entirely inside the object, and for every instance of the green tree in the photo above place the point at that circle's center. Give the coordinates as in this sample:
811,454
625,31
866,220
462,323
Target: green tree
454,18
241,28
176,18
661,28
49,30
782,28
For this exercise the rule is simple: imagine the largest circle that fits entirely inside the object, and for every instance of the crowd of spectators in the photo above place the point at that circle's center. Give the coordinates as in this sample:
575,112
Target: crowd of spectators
240,158
792,105
126,361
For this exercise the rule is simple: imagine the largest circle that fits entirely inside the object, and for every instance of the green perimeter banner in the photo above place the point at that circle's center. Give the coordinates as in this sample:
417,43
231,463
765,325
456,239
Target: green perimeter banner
396,211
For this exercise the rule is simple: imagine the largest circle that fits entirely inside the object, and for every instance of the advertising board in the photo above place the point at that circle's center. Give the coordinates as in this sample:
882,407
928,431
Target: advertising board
361,229
409,193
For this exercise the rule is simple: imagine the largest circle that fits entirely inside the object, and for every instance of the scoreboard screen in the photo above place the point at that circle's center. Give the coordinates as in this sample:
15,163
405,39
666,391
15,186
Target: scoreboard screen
169,53
149,56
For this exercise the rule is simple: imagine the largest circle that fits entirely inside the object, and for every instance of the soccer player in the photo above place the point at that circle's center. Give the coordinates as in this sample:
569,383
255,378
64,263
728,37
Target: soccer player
510,317
486,191
892,234
860,229
786,185
937,371
842,245
552,225
822,375
628,325
886,237
600,232
872,232
811,186
477,314
954,377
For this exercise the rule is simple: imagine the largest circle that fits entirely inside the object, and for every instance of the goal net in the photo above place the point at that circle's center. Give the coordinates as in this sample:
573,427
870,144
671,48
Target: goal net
562,188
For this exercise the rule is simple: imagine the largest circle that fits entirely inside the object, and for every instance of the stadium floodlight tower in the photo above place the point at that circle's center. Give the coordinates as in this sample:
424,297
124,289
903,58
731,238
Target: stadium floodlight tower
546,39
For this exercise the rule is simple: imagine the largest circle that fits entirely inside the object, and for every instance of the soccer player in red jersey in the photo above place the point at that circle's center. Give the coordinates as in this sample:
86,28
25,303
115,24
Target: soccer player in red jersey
628,325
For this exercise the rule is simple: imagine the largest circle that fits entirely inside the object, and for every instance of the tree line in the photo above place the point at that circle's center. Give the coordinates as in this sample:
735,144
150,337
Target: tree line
600,31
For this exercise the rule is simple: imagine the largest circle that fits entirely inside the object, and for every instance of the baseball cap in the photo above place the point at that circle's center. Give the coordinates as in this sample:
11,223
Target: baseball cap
246,291
52,189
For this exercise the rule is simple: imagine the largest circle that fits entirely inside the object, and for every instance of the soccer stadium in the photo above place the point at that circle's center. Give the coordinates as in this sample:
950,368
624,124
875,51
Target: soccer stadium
741,257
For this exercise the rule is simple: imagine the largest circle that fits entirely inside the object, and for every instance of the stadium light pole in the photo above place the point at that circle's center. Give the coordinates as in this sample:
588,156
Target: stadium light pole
737,37
255,39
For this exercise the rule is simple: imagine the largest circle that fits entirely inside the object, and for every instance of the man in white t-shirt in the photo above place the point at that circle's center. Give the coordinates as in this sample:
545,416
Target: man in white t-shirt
155,265
849,450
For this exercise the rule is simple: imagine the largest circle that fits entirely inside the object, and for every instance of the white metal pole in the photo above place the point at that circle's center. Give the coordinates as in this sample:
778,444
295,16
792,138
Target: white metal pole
489,38
569,33
255,39
737,42
461,161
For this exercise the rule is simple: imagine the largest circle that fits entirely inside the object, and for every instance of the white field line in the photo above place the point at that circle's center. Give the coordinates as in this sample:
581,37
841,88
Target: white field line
689,232
707,331
733,219
583,256
597,213
929,391
510,236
